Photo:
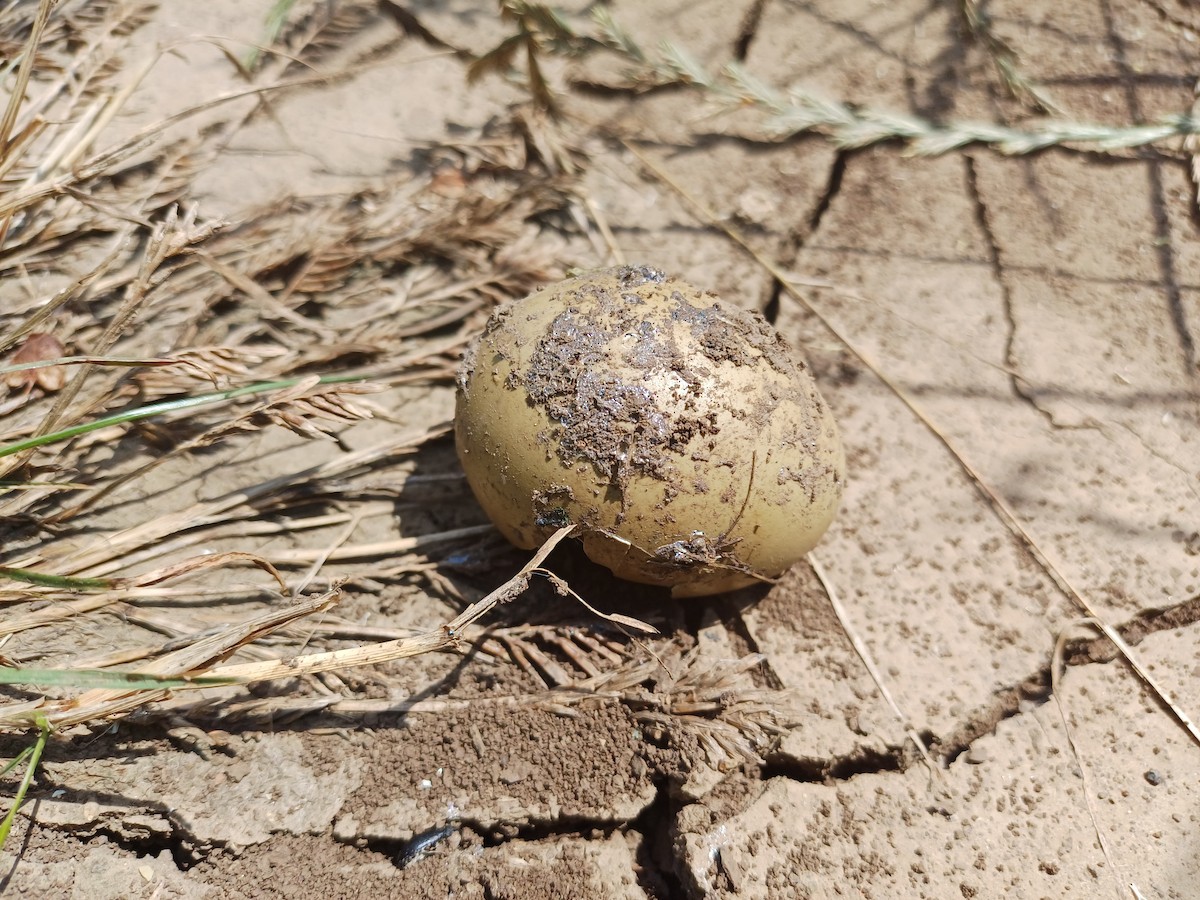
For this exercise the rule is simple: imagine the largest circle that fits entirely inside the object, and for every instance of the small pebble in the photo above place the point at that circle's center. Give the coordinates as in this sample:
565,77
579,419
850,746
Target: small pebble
1153,777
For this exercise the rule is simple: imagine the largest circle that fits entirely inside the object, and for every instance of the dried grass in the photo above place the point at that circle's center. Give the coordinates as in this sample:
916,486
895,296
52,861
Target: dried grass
342,298
316,274
797,110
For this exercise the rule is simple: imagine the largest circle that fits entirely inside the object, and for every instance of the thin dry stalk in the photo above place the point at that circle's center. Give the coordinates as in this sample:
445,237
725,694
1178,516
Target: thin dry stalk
380,548
1057,670
317,564
24,71
108,554
1004,58
194,660
169,238
868,660
56,612
31,324
447,636
733,721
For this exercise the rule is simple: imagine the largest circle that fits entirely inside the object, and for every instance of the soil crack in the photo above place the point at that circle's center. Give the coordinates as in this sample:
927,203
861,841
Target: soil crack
748,30
1035,689
1020,387
143,831
656,855
1164,244
862,760
833,186
799,237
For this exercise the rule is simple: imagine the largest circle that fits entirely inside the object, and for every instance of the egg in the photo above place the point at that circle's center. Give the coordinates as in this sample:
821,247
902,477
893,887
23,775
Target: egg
680,435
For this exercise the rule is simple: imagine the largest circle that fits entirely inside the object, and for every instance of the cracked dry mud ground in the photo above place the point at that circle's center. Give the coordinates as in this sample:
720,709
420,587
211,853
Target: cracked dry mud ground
1043,311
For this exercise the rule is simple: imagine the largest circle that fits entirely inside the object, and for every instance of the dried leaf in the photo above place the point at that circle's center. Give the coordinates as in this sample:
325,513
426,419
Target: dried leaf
37,347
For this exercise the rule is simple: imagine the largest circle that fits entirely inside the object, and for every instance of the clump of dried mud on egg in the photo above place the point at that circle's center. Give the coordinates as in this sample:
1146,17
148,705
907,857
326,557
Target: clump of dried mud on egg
622,426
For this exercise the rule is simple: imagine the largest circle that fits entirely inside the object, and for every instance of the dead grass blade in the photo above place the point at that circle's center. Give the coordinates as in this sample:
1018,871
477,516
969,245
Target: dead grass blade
868,661
447,636
55,612
108,553
565,590
380,548
112,590
1057,670
8,372
194,659
1004,58
24,71
47,310
264,298
200,564
170,238
733,722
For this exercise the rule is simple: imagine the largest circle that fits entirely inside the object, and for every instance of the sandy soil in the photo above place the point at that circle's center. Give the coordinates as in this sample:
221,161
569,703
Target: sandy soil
1040,312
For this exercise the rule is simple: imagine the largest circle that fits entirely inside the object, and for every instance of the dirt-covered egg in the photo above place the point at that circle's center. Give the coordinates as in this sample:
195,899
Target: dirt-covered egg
680,434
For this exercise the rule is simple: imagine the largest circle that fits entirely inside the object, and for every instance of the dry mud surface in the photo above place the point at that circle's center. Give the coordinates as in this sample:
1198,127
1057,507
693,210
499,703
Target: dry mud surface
1042,313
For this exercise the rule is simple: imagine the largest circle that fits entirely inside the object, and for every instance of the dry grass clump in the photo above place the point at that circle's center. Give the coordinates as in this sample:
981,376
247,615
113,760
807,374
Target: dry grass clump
140,339
141,373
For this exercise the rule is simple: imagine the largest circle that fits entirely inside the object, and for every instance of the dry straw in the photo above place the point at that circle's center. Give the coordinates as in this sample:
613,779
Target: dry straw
349,299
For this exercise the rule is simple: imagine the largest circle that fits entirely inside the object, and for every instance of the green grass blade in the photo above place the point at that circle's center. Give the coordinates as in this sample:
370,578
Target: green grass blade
35,757
277,17
158,409
16,761
65,582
